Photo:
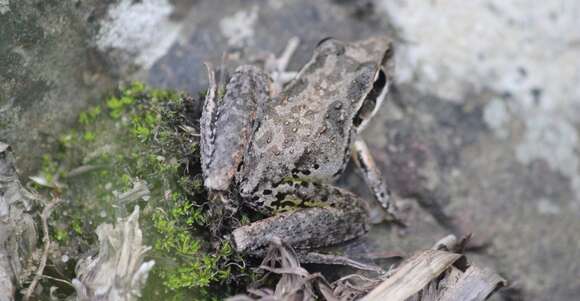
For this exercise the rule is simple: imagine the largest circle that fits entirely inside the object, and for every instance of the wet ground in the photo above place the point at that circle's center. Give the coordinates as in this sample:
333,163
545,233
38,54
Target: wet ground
480,135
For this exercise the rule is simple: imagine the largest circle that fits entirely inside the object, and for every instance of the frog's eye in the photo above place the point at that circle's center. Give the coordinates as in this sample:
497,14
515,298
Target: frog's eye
372,101
324,40
330,45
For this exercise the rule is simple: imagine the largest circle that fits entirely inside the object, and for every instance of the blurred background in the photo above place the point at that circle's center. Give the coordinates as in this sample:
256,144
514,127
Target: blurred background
480,135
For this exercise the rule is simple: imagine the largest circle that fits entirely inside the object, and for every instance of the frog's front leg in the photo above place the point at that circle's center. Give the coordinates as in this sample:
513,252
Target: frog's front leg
374,179
326,215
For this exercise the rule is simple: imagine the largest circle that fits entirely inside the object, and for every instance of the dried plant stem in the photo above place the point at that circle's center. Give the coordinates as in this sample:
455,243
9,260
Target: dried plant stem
46,239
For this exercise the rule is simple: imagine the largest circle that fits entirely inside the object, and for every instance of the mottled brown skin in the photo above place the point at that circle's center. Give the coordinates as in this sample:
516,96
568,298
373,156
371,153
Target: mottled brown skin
273,150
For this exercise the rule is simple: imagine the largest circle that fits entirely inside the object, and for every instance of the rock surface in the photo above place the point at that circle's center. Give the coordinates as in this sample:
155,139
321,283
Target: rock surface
482,127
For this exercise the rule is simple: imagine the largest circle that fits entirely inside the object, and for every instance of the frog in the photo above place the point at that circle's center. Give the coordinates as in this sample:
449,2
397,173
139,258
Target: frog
277,146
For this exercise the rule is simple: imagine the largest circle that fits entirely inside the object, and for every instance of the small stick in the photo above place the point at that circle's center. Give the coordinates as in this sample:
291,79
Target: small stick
58,280
447,243
285,57
46,239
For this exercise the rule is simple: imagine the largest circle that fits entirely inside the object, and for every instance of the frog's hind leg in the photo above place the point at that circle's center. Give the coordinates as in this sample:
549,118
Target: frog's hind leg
227,123
328,216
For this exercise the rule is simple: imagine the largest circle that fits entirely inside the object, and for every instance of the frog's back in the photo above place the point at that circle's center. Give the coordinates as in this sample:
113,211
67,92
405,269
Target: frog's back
306,131
296,140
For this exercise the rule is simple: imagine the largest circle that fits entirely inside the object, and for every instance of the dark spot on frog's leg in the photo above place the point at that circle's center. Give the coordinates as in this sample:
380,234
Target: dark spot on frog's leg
316,166
280,196
267,192
290,203
306,172
279,199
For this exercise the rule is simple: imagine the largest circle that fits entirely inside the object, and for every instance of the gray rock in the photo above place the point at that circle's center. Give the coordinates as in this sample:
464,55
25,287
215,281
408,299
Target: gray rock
482,130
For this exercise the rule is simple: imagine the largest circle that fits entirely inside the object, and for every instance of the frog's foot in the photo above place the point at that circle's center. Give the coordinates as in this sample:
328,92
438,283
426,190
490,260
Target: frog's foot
374,180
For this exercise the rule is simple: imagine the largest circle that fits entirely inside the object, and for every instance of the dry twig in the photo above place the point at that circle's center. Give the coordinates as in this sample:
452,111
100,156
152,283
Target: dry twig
46,239
430,275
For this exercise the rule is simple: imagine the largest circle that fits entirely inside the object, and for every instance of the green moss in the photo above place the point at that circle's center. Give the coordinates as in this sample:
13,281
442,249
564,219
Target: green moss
196,268
61,235
117,106
68,140
200,271
77,226
49,168
89,136
135,89
89,116
136,135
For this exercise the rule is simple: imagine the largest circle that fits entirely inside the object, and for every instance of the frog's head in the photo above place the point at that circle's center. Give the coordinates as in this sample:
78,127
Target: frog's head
369,65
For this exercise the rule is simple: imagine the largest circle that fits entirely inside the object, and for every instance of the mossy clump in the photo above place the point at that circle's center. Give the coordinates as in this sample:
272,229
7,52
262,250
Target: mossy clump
147,136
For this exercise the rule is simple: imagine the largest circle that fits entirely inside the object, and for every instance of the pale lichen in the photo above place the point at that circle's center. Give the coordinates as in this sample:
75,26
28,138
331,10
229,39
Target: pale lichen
118,272
239,27
455,47
4,6
497,116
555,141
142,30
